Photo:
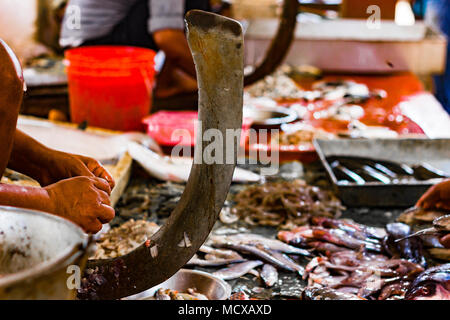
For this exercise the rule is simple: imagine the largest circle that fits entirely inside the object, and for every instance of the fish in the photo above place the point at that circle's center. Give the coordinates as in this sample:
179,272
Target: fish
237,270
255,239
390,290
265,254
409,249
324,293
240,295
441,226
325,247
162,295
269,275
294,236
287,261
352,228
196,261
335,236
219,254
432,284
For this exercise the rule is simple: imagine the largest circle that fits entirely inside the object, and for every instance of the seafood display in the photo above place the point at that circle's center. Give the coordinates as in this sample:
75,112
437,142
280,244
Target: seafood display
257,240
355,261
432,284
398,244
362,170
338,259
237,270
168,294
246,253
281,86
366,275
432,228
285,203
334,235
123,239
269,275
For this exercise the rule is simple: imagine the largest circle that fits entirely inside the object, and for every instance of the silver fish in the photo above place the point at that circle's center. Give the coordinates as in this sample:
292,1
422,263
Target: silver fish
269,275
196,261
162,295
255,239
219,254
288,261
237,270
273,257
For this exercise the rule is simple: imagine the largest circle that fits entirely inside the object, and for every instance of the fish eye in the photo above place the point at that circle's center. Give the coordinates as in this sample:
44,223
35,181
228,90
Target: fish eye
425,291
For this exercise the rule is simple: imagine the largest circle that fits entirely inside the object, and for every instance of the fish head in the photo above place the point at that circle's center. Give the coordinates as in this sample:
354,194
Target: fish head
432,284
429,291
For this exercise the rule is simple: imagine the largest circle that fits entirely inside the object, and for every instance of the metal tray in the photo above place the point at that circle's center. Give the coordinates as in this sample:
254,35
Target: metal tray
436,152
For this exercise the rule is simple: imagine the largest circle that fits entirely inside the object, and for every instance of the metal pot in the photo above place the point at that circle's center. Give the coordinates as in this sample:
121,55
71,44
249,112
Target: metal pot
212,287
42,256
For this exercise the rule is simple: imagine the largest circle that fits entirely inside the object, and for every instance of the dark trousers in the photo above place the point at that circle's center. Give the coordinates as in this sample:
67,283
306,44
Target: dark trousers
133,30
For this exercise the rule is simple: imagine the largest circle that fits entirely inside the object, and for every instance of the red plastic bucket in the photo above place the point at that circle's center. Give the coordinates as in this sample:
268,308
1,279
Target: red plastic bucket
110,86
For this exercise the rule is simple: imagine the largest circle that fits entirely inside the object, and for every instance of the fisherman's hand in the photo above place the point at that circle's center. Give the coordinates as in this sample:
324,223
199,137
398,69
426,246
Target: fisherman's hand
61,165
437,197
83,200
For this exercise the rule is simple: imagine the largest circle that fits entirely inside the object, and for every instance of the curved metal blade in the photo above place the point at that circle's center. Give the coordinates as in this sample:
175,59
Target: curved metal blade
216,43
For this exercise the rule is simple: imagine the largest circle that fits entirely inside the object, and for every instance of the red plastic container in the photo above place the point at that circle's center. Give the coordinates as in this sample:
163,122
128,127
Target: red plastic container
110,86
163,125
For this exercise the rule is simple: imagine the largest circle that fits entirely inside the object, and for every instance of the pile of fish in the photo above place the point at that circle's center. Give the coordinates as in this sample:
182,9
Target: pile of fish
284,204
363,274
281,86
356,261
362,170
240,254
331,235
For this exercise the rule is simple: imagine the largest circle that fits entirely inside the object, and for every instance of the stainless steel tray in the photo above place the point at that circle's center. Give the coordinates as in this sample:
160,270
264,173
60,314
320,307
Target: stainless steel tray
435,152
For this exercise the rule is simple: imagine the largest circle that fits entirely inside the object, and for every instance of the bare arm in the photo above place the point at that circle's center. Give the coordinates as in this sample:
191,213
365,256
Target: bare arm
175,46
82,200
24,197
48,166
27,155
